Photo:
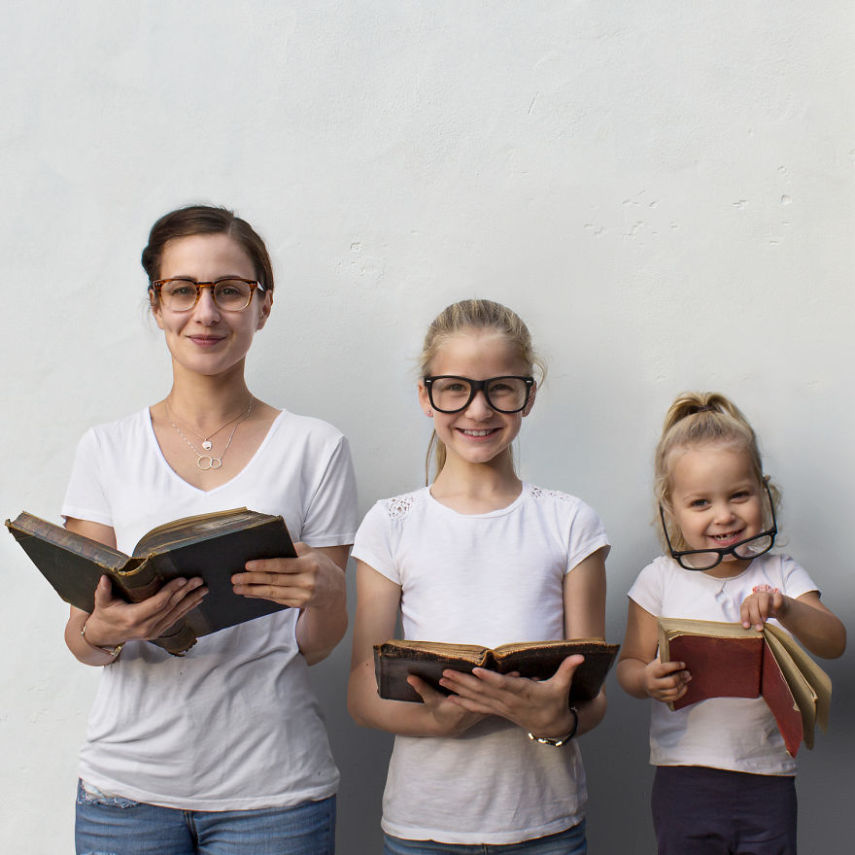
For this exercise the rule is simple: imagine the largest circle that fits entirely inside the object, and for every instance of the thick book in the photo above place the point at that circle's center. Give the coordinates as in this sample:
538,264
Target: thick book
213,546
728,661
395,660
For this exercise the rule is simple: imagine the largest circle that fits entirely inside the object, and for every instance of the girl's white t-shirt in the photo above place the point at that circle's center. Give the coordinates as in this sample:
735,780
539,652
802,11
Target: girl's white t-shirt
485,579
739,734
232,724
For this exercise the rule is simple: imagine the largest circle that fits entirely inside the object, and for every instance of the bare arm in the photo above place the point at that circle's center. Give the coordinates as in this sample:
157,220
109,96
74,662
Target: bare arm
639,670
542,707
113,621
314,582
815,626
378,601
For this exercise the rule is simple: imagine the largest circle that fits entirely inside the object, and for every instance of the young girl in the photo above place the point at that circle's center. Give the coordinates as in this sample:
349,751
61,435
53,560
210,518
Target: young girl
724,781
480,557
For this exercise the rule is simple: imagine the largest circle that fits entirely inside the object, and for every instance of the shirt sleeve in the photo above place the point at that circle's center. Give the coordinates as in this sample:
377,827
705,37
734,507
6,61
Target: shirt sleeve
587,535
330,518
796,580
373,543
647,590
85,498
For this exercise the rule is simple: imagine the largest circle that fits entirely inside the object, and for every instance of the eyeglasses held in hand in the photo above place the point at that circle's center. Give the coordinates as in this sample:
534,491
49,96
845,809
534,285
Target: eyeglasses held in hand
231,294
451,394
706,559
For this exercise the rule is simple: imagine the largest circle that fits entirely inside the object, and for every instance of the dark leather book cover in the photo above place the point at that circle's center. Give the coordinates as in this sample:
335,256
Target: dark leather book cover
213,546
395,660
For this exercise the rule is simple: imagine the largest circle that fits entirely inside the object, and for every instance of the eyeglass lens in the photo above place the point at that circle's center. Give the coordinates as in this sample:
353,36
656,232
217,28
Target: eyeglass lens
748,549
505,394
232,295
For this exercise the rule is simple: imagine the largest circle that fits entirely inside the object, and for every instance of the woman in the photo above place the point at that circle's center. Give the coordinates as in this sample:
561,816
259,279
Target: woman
222,750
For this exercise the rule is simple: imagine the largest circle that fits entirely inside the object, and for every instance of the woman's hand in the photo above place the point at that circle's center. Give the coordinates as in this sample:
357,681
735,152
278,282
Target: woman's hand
666,681
538,706
313,582
310,579
451,718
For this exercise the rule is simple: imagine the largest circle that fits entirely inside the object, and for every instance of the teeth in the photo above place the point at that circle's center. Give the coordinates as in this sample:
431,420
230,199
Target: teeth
476,432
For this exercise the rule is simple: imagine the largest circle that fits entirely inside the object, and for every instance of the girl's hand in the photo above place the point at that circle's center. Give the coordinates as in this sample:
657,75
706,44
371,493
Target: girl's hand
310,580
113,621
766,602
451,719
666,681
538,706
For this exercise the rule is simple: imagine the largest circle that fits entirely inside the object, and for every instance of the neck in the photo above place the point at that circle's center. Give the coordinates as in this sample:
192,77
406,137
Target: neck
494,481
206,402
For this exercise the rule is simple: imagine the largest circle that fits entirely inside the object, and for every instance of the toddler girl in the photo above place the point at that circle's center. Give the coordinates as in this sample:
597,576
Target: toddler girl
724,781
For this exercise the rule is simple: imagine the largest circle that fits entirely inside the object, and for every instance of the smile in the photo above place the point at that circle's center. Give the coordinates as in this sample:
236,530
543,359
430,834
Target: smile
477,433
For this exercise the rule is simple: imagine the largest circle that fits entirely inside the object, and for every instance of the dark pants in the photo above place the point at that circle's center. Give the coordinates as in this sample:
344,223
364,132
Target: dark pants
701,811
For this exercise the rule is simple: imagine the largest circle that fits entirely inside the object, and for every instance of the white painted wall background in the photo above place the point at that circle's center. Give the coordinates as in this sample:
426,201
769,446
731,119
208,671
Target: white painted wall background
662,190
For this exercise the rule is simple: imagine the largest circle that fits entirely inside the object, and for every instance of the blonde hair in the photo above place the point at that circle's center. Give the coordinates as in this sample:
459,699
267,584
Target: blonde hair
479,315
698,418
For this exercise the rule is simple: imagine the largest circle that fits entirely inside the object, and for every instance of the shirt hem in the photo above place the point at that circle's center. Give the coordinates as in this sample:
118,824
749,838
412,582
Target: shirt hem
494,838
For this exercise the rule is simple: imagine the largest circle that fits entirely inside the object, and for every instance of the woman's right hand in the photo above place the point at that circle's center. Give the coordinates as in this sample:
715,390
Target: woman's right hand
666,681
113,621
451,719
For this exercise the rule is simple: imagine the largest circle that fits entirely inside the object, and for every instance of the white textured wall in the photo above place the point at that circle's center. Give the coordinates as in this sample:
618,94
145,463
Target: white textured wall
664,191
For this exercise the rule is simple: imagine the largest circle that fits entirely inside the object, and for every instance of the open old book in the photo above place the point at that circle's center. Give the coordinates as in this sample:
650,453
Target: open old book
395,660
213,546
728,661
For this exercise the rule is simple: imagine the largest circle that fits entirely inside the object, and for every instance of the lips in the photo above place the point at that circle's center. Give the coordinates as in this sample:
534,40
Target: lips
727,539
477,434
206,340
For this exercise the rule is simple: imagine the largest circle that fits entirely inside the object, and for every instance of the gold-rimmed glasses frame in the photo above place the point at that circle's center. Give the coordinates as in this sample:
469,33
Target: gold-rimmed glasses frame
219,292
683,557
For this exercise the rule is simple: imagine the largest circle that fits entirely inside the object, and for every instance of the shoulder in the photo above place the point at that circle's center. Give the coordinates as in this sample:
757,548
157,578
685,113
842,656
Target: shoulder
118,433
309,428
783,572
563,506
400,507
649,583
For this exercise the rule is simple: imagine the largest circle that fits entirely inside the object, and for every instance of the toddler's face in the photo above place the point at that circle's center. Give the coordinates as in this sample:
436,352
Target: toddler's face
716,499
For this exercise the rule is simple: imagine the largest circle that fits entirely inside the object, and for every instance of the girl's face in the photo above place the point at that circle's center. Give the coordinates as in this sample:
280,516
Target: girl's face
716,500
477,434
206,339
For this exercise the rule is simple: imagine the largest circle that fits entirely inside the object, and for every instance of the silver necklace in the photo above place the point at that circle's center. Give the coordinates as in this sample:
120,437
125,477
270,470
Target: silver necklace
210,461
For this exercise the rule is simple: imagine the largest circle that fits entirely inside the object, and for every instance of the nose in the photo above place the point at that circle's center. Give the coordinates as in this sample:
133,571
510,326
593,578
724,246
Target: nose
206,310
722,512
478,407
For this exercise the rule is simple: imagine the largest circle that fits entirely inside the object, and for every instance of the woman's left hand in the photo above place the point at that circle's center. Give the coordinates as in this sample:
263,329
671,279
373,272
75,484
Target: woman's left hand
538,706
311,579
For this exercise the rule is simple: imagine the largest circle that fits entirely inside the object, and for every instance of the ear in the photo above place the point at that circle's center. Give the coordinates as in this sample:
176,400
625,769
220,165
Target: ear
266,308
154,304
424,400
531,397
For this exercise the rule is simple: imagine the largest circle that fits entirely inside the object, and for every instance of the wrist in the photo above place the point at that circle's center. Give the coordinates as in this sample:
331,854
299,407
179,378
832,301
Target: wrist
112,650
566,736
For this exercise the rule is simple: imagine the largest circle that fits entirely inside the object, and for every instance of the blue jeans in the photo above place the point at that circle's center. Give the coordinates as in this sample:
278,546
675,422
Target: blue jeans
111,825
569,842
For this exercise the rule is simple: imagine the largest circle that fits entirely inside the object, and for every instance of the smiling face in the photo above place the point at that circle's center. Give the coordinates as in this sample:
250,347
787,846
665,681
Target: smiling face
716,499
477,434
205,339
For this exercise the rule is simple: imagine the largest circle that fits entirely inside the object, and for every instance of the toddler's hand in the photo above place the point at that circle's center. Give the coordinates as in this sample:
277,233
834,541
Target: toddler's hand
666,681
765,602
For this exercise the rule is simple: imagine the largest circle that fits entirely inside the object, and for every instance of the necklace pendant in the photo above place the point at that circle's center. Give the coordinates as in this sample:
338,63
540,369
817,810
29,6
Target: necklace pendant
207,445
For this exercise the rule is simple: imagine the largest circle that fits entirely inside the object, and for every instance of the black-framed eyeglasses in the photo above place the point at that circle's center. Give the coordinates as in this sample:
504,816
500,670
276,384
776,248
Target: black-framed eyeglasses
231,293
449,393
706,559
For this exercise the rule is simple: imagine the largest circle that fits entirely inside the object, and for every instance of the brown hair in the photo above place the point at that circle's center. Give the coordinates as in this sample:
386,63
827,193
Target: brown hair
697,418
480,315
206,220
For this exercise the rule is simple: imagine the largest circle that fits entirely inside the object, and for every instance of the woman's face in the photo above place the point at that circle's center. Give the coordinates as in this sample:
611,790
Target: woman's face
206,339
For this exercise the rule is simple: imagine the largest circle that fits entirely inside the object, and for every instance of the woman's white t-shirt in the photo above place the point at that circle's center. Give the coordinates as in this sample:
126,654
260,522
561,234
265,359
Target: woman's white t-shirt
739,734
233,724
484,579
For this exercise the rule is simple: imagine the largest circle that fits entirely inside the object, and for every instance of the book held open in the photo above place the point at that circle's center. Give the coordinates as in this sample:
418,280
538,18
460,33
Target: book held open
395,660
213,546
728,661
